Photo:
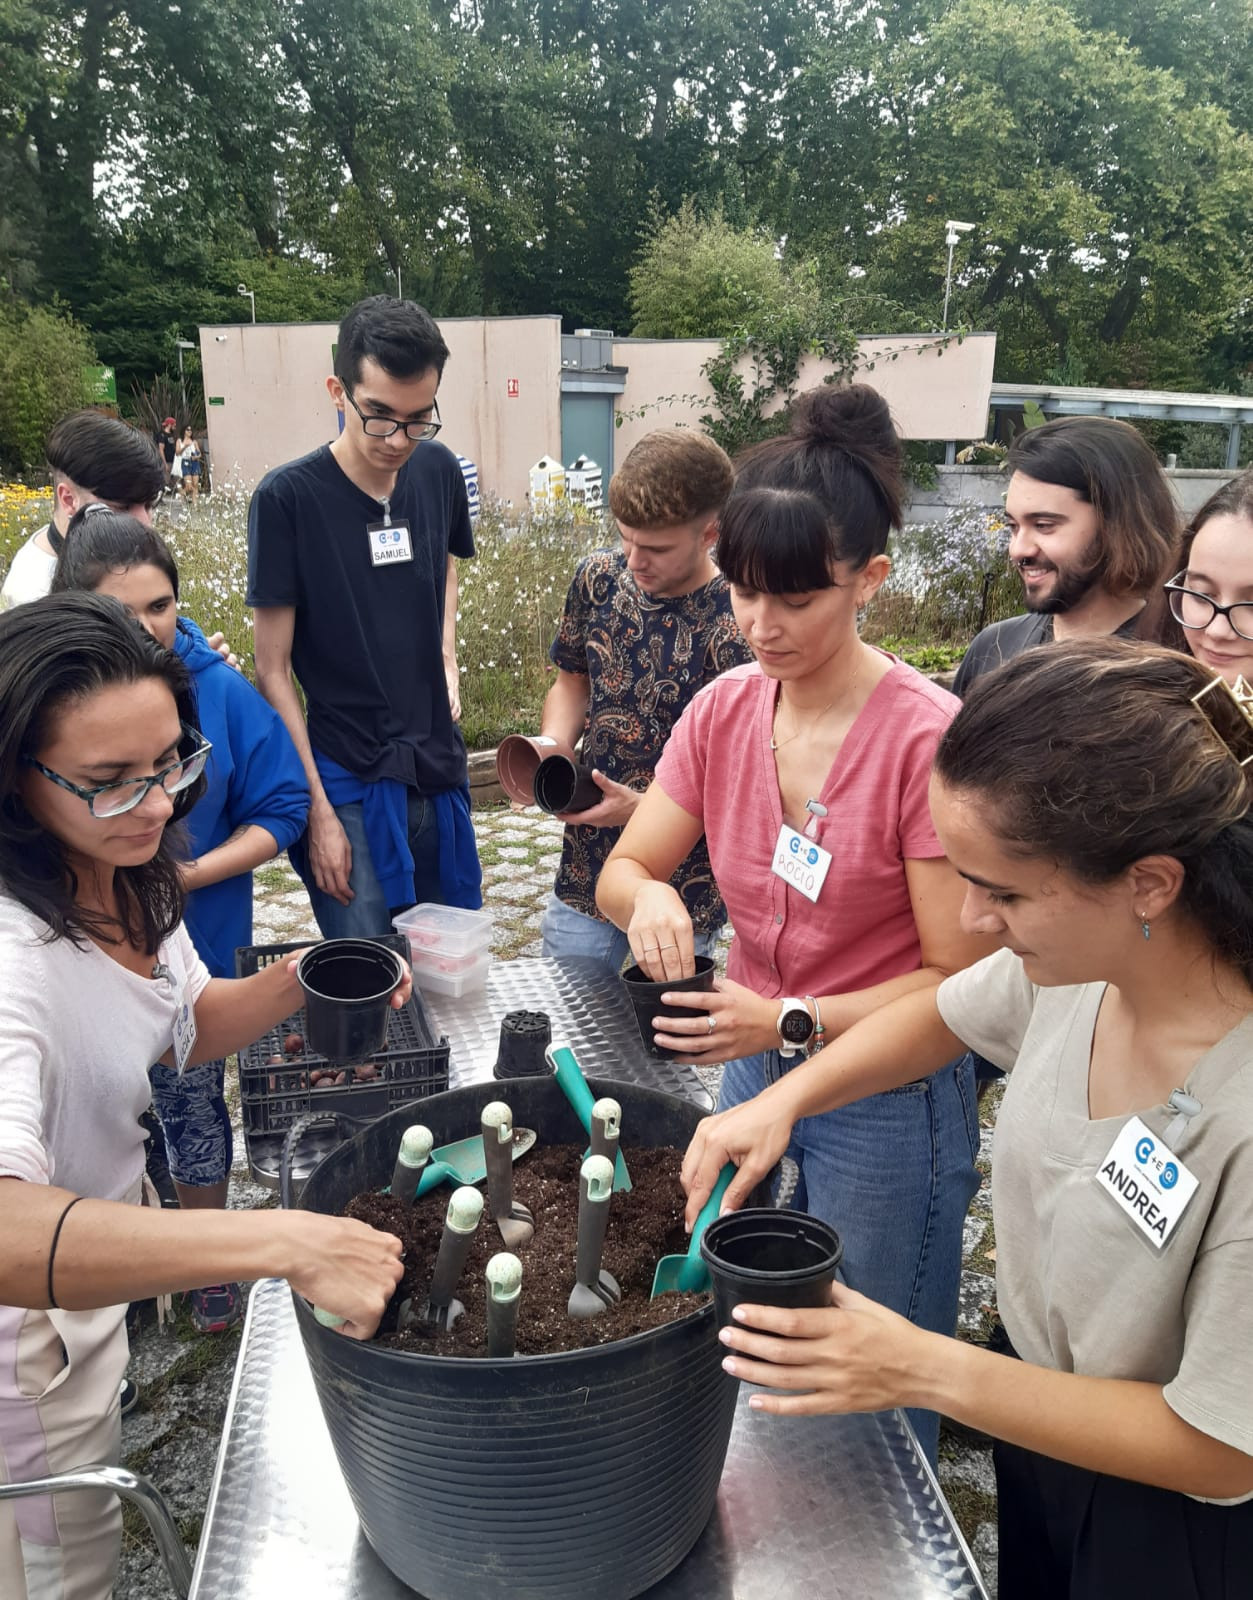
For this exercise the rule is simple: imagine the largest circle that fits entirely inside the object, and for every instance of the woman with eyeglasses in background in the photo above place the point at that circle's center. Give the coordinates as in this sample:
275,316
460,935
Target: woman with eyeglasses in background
99,756
1211,597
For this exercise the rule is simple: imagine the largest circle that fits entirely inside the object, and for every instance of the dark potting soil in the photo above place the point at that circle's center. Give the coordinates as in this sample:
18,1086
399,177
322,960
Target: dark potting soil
645,1223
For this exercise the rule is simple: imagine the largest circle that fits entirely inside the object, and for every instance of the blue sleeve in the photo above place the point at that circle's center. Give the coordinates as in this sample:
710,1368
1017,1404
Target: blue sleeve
268,788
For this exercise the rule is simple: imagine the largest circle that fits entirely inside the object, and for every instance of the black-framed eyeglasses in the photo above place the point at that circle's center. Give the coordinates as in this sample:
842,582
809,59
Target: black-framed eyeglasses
1192,609
112,799
384,427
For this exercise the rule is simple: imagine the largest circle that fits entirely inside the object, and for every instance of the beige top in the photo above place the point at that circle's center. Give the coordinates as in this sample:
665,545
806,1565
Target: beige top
1080,1289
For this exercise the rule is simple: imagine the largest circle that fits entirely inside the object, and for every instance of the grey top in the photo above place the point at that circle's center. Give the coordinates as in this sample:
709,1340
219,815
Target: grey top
1001,641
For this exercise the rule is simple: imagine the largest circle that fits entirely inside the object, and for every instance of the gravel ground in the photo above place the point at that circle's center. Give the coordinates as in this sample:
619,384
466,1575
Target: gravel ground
185,1379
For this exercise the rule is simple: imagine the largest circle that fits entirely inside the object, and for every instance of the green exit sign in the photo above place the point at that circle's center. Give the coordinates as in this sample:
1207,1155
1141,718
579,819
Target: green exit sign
217,400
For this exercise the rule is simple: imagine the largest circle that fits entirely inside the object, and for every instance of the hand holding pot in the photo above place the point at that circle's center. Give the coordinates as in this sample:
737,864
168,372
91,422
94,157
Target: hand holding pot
614,811
344,1267
743,1023
754,1136
857,1356
660,933
399,996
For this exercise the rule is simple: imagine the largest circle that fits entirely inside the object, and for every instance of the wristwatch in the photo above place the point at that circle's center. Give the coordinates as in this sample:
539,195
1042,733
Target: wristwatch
796,1027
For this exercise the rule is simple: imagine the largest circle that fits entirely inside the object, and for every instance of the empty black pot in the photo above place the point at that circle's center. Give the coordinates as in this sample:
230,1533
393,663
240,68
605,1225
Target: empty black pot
524,1036
348,986
552,1477
645,996
770,1258
565,785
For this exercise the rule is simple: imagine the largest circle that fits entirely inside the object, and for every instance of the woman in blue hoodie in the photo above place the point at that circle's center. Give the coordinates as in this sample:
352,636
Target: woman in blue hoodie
255,804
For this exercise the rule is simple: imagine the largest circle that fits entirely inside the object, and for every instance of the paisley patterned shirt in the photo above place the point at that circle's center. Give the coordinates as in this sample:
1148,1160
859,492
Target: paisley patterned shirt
644,658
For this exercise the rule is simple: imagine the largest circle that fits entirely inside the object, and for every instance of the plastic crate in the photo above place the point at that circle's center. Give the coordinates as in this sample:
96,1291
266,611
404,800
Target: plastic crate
273,1094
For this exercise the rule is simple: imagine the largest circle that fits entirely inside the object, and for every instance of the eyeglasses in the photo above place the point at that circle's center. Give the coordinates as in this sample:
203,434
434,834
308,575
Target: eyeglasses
1191,609
384,427
112,799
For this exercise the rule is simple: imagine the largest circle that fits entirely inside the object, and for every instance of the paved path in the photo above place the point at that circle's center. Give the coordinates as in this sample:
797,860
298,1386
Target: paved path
185,1379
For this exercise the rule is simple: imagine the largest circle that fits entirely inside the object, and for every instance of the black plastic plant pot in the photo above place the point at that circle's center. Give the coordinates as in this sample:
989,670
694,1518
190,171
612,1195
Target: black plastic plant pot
348,986
562,784
770,1258
553,1477
645,996
524,1036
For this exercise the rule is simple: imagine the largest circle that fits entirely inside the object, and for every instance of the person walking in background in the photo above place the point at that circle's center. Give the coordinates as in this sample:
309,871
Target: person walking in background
1094,530
255,804
644,627
352,575
167,444
189,464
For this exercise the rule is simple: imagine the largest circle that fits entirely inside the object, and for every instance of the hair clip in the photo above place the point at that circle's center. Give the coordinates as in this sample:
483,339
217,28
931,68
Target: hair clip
95,505
1241,696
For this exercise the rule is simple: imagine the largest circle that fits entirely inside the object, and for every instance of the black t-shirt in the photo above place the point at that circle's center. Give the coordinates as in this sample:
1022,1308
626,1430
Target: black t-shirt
368,642
1001,641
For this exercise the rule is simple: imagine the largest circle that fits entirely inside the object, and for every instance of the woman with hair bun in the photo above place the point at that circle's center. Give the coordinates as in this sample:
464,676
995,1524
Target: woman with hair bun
1095,797
807,773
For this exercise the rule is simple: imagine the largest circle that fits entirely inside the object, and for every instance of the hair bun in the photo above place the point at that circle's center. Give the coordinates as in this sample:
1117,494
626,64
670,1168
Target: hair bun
854,417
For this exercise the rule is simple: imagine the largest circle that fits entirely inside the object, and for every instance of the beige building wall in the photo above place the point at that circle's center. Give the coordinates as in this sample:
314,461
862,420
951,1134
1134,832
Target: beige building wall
934,392
500,400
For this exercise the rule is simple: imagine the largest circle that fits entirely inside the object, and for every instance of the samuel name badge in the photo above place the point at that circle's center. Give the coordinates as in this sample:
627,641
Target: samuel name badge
389,542
802,864
184,1029
1146,1181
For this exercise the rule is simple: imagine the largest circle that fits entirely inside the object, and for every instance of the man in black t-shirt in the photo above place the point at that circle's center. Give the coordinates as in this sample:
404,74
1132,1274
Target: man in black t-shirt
1094,528
352,575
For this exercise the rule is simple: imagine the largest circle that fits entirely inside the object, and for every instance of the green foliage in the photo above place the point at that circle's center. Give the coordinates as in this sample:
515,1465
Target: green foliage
42,356
700,278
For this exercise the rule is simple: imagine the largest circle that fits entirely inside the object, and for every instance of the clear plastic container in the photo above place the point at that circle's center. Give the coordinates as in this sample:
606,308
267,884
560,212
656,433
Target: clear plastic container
472,976
446,930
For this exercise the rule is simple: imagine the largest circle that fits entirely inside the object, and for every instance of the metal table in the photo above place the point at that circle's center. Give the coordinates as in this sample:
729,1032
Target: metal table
844,1505
838,1506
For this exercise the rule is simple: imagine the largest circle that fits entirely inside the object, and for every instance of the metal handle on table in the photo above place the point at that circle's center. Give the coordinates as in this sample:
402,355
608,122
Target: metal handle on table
130,1486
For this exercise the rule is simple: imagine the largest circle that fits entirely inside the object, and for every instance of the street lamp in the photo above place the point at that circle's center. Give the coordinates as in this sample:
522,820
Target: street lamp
183,344
955,230
244,290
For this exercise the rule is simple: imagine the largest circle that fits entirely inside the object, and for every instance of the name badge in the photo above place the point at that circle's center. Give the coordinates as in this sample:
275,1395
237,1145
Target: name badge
802,864
1146,1181
389,543
184,1029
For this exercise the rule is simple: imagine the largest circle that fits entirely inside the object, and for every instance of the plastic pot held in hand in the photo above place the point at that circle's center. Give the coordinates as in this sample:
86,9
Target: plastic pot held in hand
348,986
770,1258
645,997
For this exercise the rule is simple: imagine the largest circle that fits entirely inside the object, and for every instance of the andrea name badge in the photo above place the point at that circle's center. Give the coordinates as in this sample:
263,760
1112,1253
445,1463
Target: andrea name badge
389,543
802,864
1147,1181
184,1029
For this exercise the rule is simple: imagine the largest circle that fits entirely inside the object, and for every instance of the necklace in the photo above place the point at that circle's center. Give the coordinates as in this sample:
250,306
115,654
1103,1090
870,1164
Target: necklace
777,744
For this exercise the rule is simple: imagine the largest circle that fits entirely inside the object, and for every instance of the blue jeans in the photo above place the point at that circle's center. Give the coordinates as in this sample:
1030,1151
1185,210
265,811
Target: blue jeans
567,932
367,914
894,1174
194,1118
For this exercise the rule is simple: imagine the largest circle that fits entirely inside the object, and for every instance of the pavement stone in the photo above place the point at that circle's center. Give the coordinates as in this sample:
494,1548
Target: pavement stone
173,1436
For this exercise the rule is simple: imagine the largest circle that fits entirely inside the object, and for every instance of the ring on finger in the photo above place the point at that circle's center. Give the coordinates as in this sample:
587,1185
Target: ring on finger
713,1022
667,947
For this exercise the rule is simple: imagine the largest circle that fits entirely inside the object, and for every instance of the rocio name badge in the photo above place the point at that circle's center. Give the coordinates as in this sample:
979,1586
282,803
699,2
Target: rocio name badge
1147,1181
802,864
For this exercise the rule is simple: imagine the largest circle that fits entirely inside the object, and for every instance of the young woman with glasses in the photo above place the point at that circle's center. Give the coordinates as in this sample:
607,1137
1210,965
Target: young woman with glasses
1211,597
255,803
100,759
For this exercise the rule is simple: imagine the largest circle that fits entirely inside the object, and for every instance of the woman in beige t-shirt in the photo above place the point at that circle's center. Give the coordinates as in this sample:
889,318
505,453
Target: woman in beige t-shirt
1094,798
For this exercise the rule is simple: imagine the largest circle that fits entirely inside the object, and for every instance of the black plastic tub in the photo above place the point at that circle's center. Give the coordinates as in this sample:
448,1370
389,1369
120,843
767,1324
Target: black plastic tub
560,1477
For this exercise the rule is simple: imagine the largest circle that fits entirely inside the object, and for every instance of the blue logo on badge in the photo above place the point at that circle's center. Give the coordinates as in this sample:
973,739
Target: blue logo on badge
794,845
392,535
1144,1149
811,855
1169,1175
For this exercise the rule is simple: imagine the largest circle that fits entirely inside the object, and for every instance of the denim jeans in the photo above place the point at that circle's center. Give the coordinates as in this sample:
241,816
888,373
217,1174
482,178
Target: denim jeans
367,914
567,932
894,1175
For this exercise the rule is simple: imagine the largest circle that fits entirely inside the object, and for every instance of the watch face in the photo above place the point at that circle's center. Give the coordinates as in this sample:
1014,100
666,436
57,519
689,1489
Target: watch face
796,1025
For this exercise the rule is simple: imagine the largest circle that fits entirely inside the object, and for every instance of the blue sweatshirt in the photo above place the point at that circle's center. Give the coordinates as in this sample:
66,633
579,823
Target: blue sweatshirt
254,776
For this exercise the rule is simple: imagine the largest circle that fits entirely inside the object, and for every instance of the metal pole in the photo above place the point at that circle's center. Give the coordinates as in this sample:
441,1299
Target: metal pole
182,387
948,284
1233,446
399,296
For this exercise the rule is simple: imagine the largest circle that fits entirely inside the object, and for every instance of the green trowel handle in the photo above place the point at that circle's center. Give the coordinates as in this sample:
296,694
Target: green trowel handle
573,1085
694,1274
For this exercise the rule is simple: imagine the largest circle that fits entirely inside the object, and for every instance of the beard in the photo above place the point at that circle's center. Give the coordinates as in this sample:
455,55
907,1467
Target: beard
1071,584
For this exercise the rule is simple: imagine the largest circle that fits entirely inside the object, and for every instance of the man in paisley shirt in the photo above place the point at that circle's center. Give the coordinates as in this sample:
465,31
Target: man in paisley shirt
645,626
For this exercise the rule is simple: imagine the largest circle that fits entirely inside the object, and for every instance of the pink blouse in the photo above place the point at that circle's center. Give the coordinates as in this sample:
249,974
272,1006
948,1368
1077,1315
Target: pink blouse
719,767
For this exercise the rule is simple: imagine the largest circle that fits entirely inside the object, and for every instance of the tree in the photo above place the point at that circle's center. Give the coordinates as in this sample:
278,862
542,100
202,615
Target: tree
42,356
698,277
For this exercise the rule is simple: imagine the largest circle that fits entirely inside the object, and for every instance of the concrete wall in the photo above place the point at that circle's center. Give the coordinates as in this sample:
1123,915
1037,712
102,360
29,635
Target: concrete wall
500,400
933,393
985,486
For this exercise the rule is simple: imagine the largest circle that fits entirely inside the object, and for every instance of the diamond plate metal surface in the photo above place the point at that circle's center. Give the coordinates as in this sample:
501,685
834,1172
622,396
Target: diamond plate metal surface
588,1010
839,1506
